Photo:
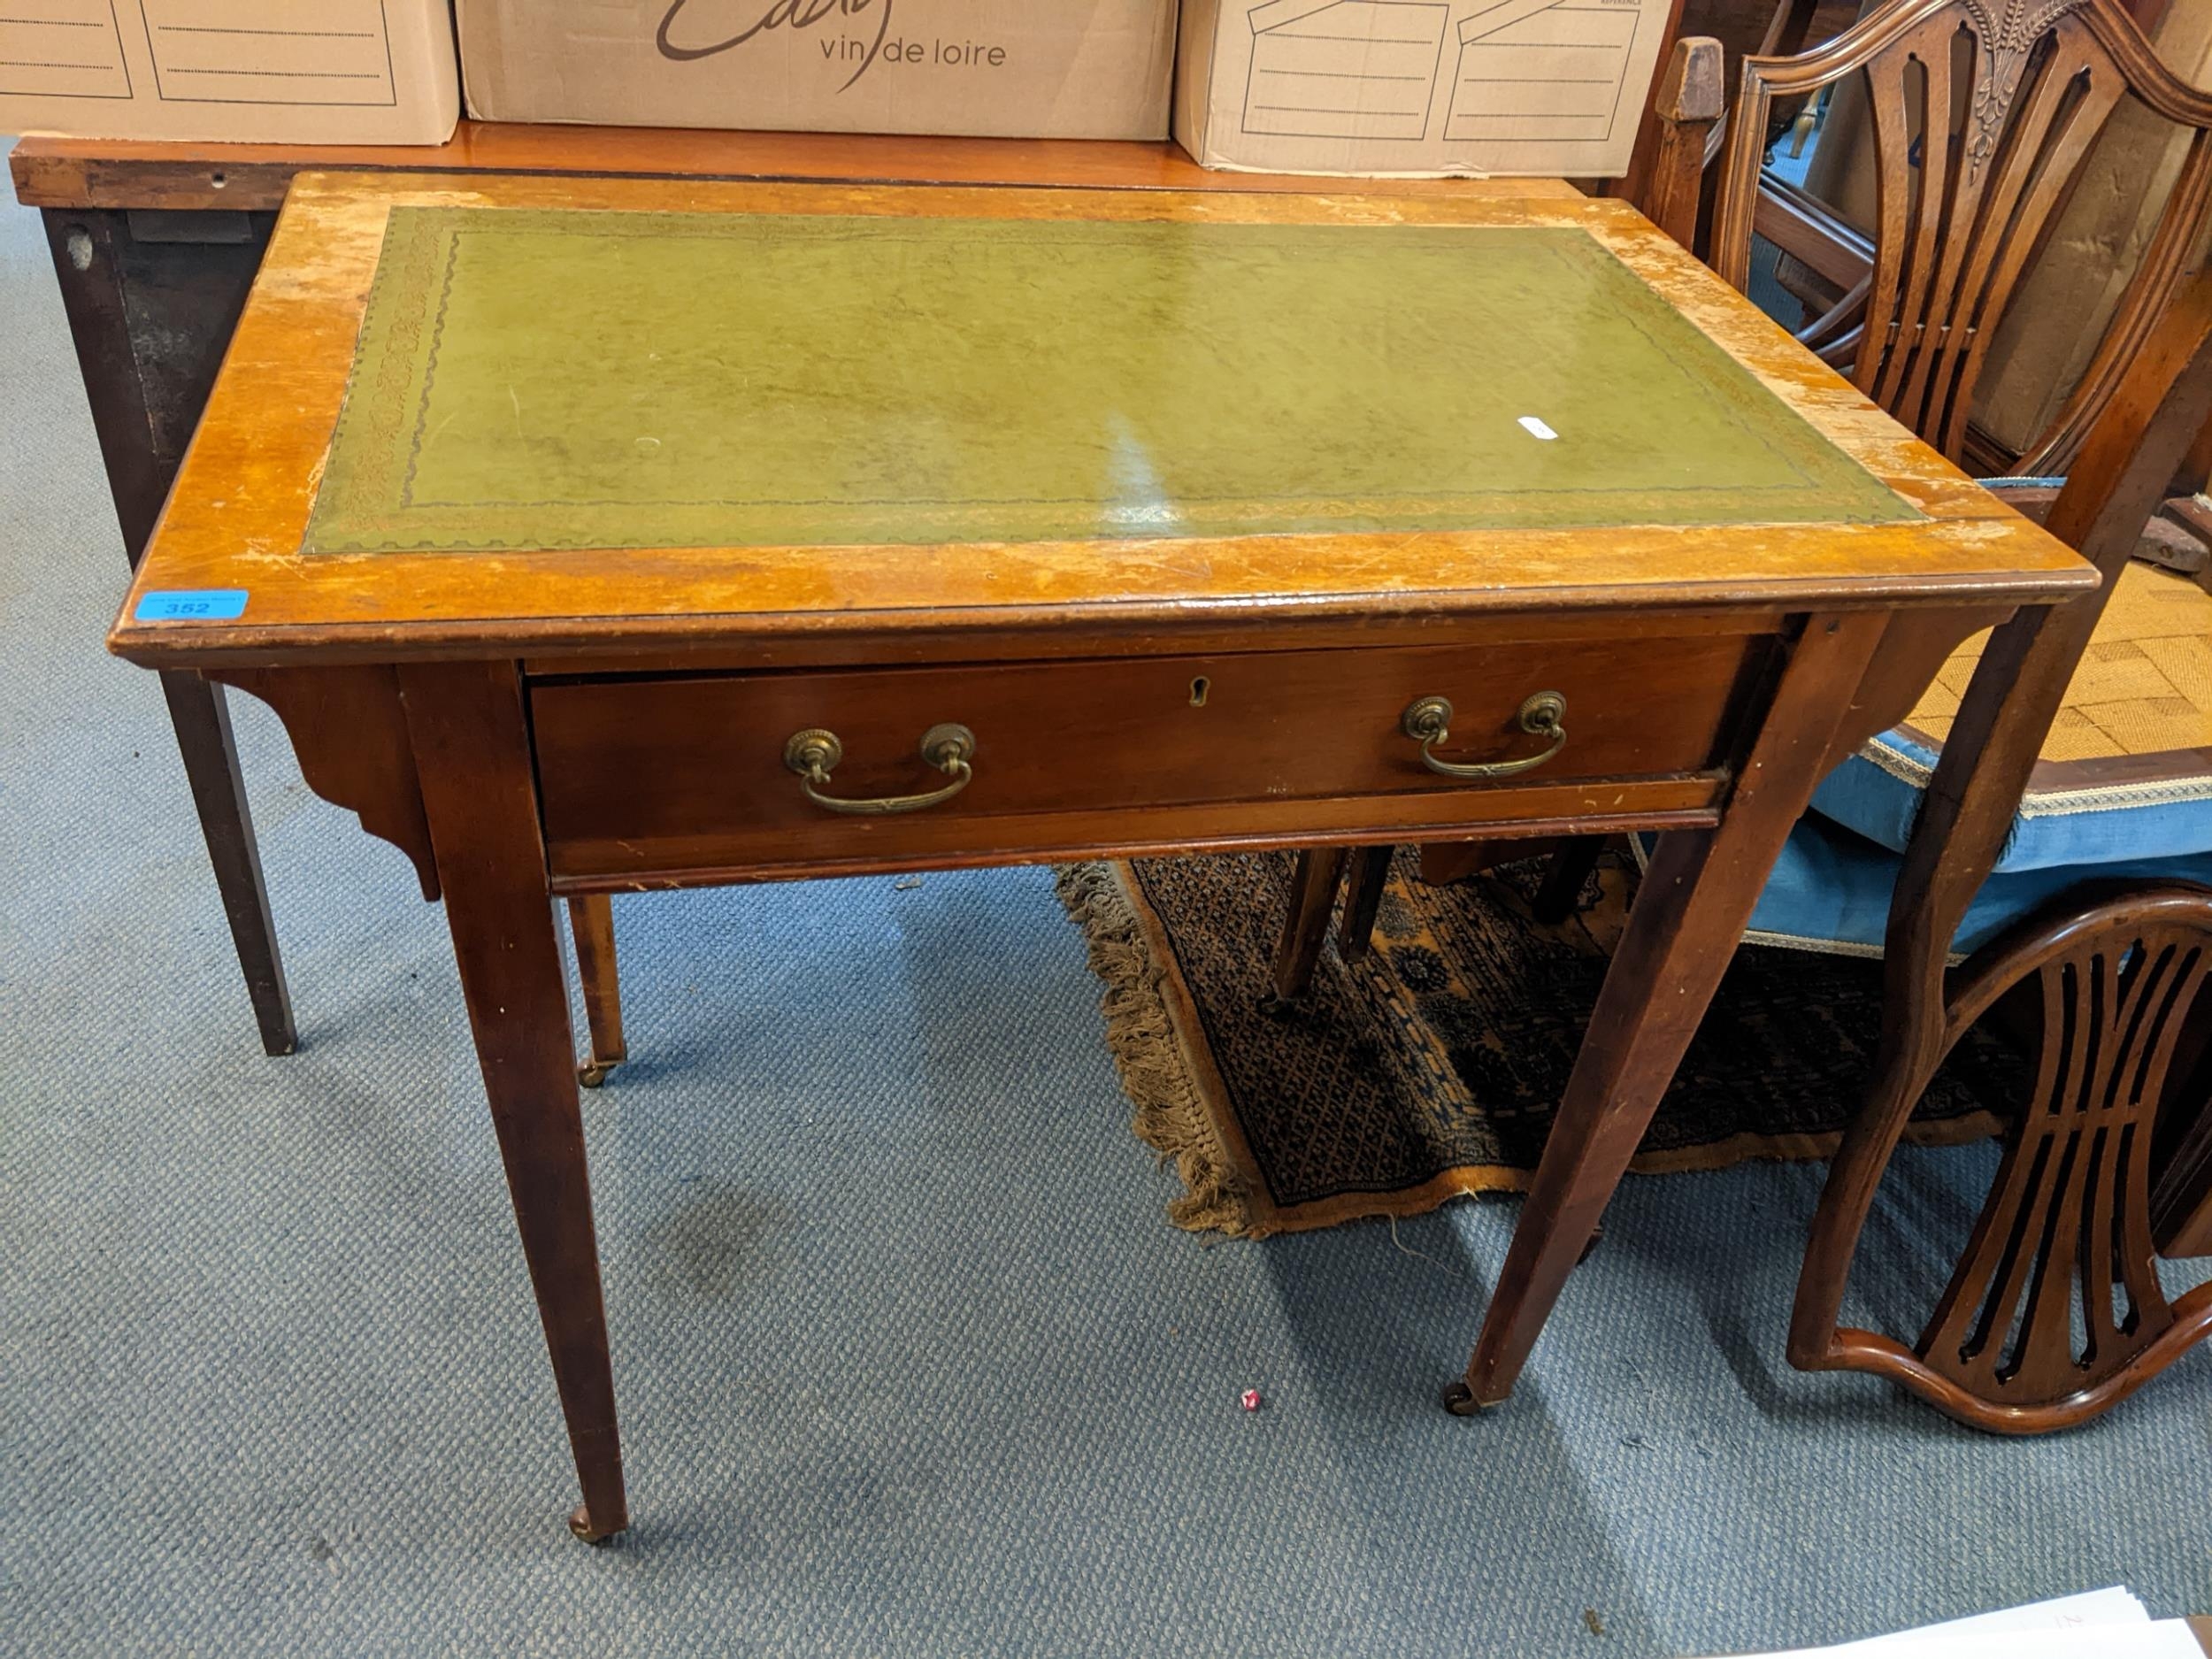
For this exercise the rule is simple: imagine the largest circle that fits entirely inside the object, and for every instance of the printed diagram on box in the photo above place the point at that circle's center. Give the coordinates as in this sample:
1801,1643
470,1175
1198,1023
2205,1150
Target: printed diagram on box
277,52
1540,70
332,53
63,49
1525,70
1344,68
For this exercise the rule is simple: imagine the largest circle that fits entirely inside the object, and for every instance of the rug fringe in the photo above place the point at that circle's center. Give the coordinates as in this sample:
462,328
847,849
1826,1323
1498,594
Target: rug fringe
1170,1118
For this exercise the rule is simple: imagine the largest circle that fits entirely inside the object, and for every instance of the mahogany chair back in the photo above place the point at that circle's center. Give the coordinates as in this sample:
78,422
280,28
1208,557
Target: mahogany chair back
1983,114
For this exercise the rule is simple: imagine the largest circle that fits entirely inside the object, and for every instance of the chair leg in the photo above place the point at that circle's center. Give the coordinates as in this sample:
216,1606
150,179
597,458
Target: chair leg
1313,896
1370,870
591,919
2065,1234
2181,1184
2181,1200
1560,893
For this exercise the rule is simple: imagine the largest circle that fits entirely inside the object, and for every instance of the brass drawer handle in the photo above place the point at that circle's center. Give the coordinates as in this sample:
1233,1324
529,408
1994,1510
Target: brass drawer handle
1428,722
813,754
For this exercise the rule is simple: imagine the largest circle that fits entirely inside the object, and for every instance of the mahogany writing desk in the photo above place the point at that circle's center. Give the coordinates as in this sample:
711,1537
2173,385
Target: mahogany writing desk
596,535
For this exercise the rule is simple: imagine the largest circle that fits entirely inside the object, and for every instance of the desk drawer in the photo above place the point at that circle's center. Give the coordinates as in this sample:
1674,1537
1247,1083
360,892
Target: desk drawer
689,772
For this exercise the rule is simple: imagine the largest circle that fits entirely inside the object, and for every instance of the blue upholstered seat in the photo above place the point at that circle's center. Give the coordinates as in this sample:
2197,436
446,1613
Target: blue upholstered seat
1831,887
1876,793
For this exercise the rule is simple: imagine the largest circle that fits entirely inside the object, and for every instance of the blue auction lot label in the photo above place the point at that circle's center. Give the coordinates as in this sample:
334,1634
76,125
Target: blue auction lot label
192,605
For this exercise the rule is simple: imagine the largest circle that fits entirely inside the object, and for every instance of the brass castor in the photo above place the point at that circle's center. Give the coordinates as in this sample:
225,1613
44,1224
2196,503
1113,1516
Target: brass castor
591,1074
580,1523
1459,1400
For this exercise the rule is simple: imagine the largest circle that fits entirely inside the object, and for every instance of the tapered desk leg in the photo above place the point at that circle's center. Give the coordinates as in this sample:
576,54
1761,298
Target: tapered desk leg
1690,910
472,752
591,919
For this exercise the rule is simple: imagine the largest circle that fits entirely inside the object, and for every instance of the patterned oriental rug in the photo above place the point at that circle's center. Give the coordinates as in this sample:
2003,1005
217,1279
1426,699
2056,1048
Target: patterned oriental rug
1433,1069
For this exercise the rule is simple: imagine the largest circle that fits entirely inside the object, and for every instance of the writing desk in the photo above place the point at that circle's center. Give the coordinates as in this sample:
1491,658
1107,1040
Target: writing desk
596,535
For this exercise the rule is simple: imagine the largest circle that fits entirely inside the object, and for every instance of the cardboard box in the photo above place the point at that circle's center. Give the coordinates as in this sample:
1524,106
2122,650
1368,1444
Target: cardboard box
275,72
1350,87
1000,68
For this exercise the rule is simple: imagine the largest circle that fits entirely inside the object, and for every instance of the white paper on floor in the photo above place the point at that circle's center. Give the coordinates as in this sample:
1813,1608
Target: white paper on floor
2095,1625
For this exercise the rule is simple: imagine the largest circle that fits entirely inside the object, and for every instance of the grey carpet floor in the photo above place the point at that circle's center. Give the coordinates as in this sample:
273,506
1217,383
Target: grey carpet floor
910,1363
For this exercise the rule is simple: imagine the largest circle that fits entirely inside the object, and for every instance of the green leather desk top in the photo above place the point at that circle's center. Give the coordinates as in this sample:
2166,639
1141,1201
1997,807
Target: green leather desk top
532,379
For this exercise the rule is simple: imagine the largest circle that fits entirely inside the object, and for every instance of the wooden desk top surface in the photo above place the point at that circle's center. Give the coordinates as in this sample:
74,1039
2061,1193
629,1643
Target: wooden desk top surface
590,414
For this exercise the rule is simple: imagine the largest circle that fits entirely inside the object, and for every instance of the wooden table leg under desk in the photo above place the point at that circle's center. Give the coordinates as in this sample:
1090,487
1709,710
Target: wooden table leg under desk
1691,907
591,919
150,318
202,718
473,753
